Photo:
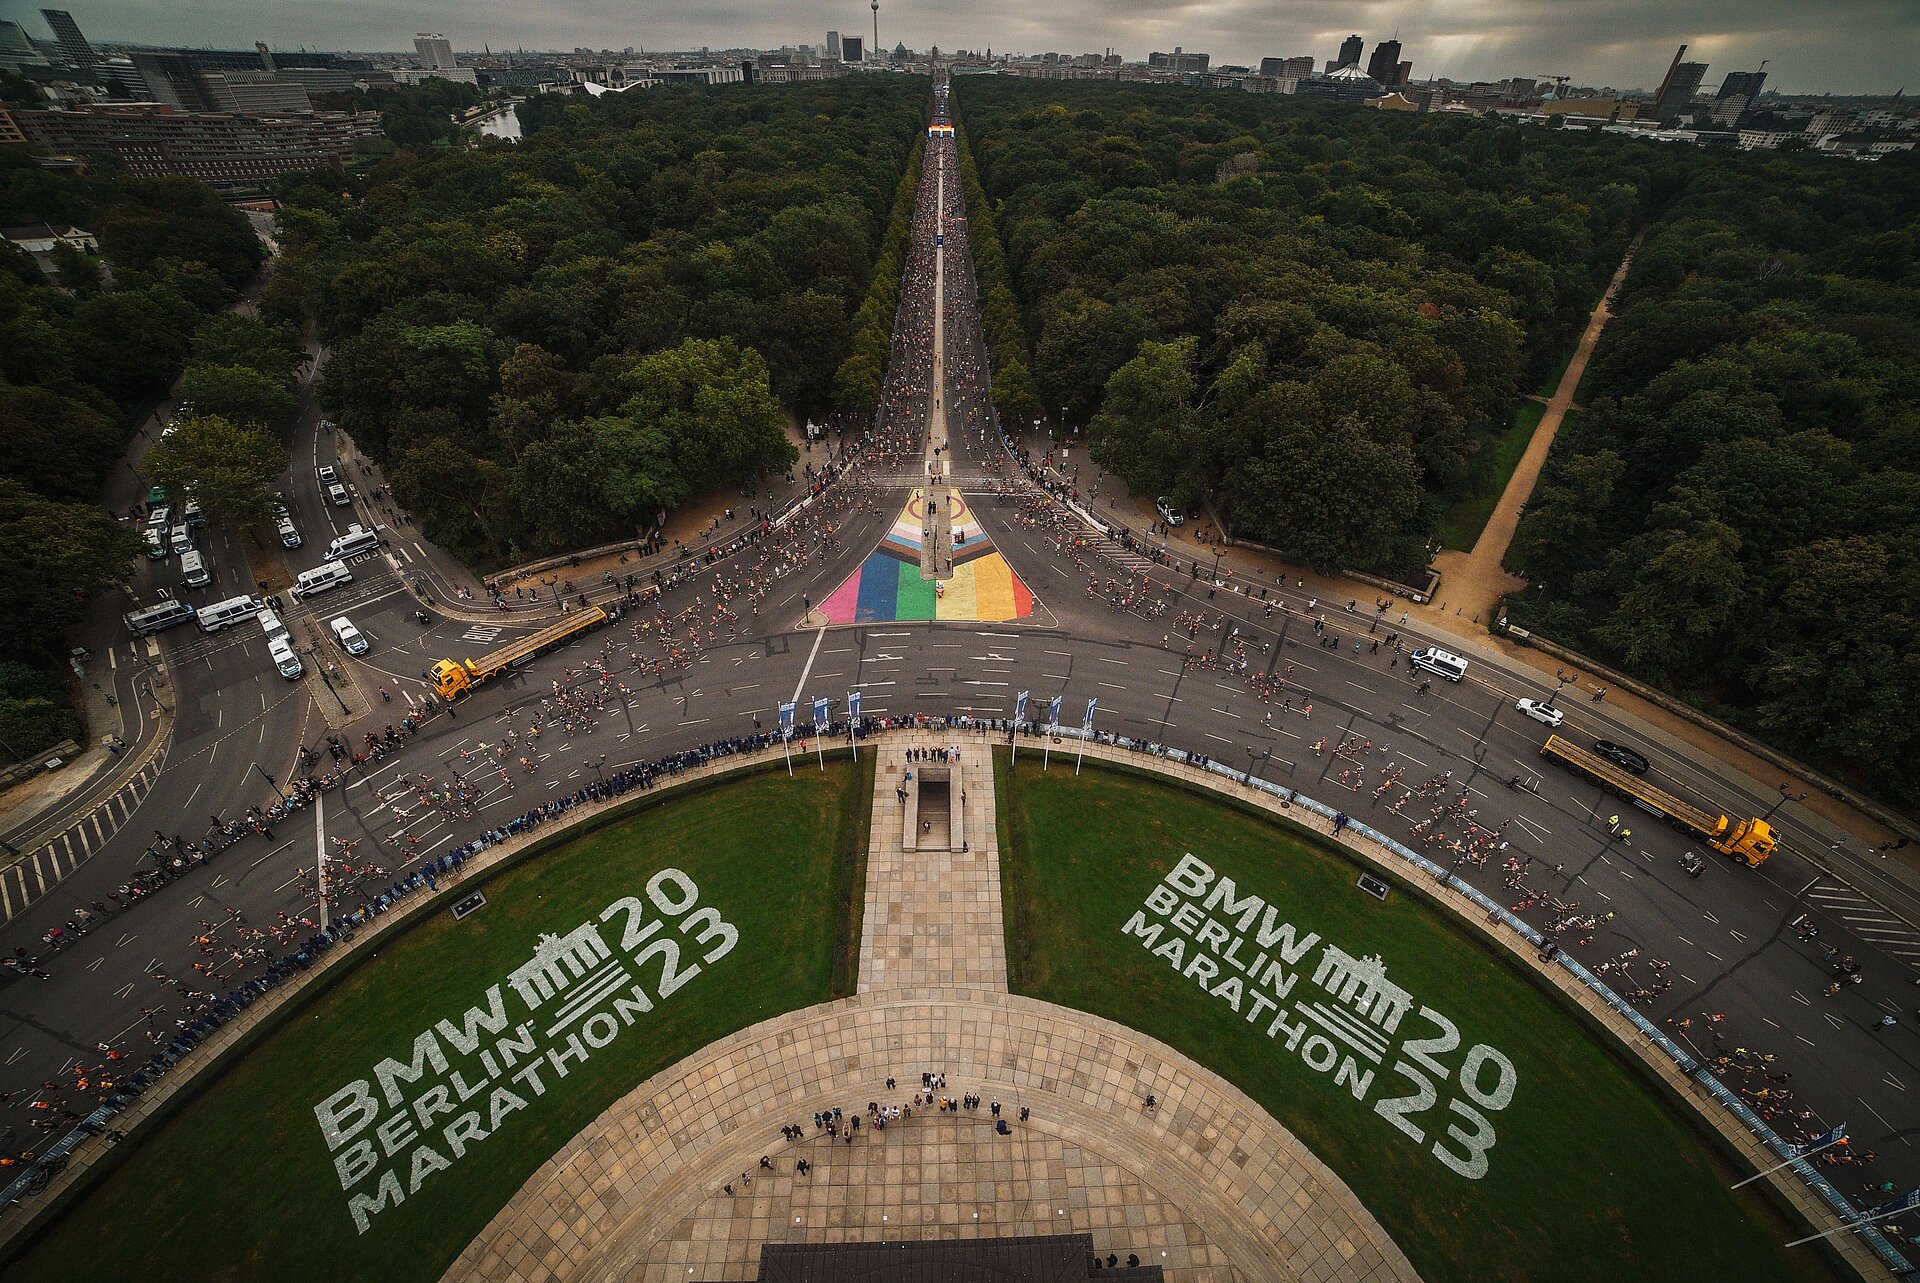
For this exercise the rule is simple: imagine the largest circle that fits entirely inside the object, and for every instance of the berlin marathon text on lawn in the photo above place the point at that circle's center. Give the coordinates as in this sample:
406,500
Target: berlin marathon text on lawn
409,1119
1346,1027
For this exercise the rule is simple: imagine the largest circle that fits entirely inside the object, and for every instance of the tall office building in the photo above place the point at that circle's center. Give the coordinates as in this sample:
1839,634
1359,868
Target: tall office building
1404,74
833,45
853,49
435,52
1683,81
1279,67
1350,49
171,77
16,49
1384,66
1742,83
75,48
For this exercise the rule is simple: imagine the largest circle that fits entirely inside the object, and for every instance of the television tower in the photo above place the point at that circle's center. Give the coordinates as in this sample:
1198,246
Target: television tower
875,4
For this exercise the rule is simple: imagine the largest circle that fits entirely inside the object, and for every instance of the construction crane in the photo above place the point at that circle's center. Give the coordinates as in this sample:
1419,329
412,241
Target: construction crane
1559,82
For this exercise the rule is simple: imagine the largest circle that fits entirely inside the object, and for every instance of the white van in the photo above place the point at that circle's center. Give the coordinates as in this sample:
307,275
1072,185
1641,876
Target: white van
153,618
284,659
321,578
351,639
357,540
1439,662
182,539
224,614
270,623
193,568
289,533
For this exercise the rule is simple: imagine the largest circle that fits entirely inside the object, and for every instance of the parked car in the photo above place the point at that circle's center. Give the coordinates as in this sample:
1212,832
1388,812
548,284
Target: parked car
1541,712
337,495
350,638
1168,513
1623,757
327,474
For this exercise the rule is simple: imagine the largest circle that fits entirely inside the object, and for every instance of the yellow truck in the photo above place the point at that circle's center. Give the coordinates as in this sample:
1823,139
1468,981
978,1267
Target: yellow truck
453,678
1750,841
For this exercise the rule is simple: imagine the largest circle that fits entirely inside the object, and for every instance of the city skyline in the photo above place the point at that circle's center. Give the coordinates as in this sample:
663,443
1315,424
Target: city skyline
1860,46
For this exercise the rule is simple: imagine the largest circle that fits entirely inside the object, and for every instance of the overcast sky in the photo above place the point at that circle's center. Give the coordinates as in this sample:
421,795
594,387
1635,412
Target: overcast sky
1815,46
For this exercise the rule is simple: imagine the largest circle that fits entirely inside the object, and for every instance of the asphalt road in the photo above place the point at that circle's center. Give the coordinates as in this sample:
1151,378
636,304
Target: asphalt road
1725,935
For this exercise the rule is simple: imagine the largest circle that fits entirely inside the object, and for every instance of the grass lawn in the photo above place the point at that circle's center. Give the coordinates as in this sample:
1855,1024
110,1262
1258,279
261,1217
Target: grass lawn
1461,524
1589,1175
240,1184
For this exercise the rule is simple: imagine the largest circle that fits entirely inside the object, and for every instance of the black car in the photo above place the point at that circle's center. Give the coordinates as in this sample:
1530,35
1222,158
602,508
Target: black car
1623,757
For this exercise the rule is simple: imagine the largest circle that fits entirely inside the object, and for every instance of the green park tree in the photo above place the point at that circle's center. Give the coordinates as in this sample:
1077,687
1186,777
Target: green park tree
228,466
237,393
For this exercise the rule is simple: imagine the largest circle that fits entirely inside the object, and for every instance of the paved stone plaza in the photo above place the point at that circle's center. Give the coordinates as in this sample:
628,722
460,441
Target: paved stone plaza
1207,1185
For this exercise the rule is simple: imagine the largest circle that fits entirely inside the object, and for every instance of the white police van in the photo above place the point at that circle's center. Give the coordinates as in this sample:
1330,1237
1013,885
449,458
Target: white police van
153,618
225,614
1439,662
321,578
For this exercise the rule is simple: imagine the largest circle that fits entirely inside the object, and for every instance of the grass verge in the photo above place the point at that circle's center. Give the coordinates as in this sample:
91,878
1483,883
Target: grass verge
1588,1174
1461,524
240,1183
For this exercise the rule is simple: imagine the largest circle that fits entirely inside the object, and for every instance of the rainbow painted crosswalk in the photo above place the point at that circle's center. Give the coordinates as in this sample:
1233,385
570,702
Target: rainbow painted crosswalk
887,587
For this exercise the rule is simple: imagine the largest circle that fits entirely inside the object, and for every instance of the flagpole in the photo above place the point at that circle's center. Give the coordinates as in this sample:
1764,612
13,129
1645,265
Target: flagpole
1850,1226
1790,1162
1046,747
786,746
1086,731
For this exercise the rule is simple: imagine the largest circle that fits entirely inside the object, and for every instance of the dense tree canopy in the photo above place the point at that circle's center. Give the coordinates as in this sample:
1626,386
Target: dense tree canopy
1737,513
79,360
1286,270
544,308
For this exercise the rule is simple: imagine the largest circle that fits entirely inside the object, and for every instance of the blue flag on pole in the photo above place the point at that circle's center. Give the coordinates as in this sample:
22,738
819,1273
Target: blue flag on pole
820,714
1905,1203
853,705
1824,1139
1088,724
1020,707
786,721
1053,711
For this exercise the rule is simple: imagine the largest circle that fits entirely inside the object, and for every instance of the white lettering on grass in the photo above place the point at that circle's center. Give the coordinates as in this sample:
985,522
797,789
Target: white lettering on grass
1239,948
576,977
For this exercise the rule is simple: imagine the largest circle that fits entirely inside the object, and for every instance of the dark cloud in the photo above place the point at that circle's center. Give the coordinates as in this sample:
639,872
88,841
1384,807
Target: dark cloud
1838,46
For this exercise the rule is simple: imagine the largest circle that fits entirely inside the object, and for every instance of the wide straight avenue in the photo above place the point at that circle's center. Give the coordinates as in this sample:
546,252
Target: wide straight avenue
1245,672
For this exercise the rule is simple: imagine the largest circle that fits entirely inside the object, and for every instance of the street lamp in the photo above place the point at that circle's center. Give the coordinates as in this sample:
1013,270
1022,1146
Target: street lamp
1786,795
269,779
